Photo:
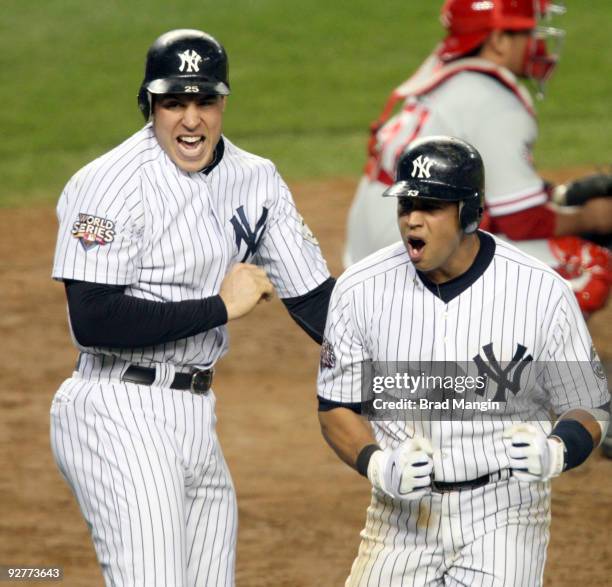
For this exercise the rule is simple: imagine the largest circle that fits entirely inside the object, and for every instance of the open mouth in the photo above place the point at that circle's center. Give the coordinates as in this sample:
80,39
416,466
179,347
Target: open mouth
415,248
416,243
190,142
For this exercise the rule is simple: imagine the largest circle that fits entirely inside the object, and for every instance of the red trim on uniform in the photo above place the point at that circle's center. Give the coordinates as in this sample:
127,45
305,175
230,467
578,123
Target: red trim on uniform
425,89
520,199
409,107
375,126
536,222
384,177
485,222
372,162
440,72
423,116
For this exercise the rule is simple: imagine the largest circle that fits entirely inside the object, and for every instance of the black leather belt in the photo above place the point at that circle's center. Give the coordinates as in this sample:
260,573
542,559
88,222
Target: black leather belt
198,381
445,487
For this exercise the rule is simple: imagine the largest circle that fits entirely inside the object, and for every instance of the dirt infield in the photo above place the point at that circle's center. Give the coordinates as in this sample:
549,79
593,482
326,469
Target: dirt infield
301,510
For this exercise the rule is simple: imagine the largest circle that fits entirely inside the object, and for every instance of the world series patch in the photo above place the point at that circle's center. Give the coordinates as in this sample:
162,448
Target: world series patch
596,364
328,356
93,230
307,233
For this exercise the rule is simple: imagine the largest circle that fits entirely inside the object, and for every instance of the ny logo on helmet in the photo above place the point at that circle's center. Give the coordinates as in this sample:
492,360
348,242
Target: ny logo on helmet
190,60
421,165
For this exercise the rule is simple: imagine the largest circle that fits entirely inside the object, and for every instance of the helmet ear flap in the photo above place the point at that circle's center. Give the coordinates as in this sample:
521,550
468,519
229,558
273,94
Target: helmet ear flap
470,213
144,102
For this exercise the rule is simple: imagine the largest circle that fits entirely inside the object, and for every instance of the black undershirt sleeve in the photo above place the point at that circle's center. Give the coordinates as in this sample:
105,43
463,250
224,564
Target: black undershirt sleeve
310,310
103,315
326,405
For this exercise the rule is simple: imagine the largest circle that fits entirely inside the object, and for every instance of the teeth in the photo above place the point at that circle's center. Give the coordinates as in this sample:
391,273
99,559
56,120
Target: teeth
191,140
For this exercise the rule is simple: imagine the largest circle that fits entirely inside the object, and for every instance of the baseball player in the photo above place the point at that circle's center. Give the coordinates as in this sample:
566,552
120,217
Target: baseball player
162,241
468,88
464,500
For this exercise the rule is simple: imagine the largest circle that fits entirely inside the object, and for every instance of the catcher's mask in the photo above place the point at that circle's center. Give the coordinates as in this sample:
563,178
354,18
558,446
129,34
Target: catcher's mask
445,169
183,61
469,22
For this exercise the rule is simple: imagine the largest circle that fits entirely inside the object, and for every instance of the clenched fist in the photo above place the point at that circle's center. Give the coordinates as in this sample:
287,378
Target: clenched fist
243,288
404,472
533,455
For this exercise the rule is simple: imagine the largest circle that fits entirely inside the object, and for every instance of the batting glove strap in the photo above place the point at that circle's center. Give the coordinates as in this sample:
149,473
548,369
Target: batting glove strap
577,440
376,466
363,459
556,452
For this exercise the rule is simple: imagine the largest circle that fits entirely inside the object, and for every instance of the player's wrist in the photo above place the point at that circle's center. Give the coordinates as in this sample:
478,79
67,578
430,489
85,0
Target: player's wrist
219,310
365,457
376,468
577,442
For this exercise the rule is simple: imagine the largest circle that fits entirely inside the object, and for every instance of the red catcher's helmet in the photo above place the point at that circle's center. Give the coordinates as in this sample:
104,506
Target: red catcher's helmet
469,23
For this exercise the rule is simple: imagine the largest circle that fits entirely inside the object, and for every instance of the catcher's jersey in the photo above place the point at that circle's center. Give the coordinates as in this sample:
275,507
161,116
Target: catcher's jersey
381,310
494,116
133,218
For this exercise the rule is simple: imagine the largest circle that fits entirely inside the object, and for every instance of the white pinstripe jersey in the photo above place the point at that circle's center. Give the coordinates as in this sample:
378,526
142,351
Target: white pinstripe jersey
381,311
133,218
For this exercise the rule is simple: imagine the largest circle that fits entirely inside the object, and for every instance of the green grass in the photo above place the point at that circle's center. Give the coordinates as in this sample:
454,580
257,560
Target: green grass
307,78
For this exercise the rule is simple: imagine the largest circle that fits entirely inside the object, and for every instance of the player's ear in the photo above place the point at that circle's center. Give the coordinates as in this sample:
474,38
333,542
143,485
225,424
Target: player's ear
223,103
495,45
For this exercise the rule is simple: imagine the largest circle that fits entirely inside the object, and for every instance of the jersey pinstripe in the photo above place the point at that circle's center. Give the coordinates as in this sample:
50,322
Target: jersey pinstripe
496,534
174,234
381,311
148,472
144,461
493,536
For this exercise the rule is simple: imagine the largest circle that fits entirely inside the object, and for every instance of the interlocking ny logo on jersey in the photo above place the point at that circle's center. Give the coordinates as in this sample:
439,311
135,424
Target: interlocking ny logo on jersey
190,60
243,232
93,230
422,166
500,375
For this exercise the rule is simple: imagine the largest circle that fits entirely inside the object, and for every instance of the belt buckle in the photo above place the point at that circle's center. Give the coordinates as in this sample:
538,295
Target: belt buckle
201,381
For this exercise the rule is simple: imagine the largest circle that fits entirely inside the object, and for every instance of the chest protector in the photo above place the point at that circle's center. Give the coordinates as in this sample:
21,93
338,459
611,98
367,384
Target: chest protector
432,74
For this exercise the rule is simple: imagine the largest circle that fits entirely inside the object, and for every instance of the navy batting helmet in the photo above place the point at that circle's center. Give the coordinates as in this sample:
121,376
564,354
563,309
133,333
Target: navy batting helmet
443,168
184,61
